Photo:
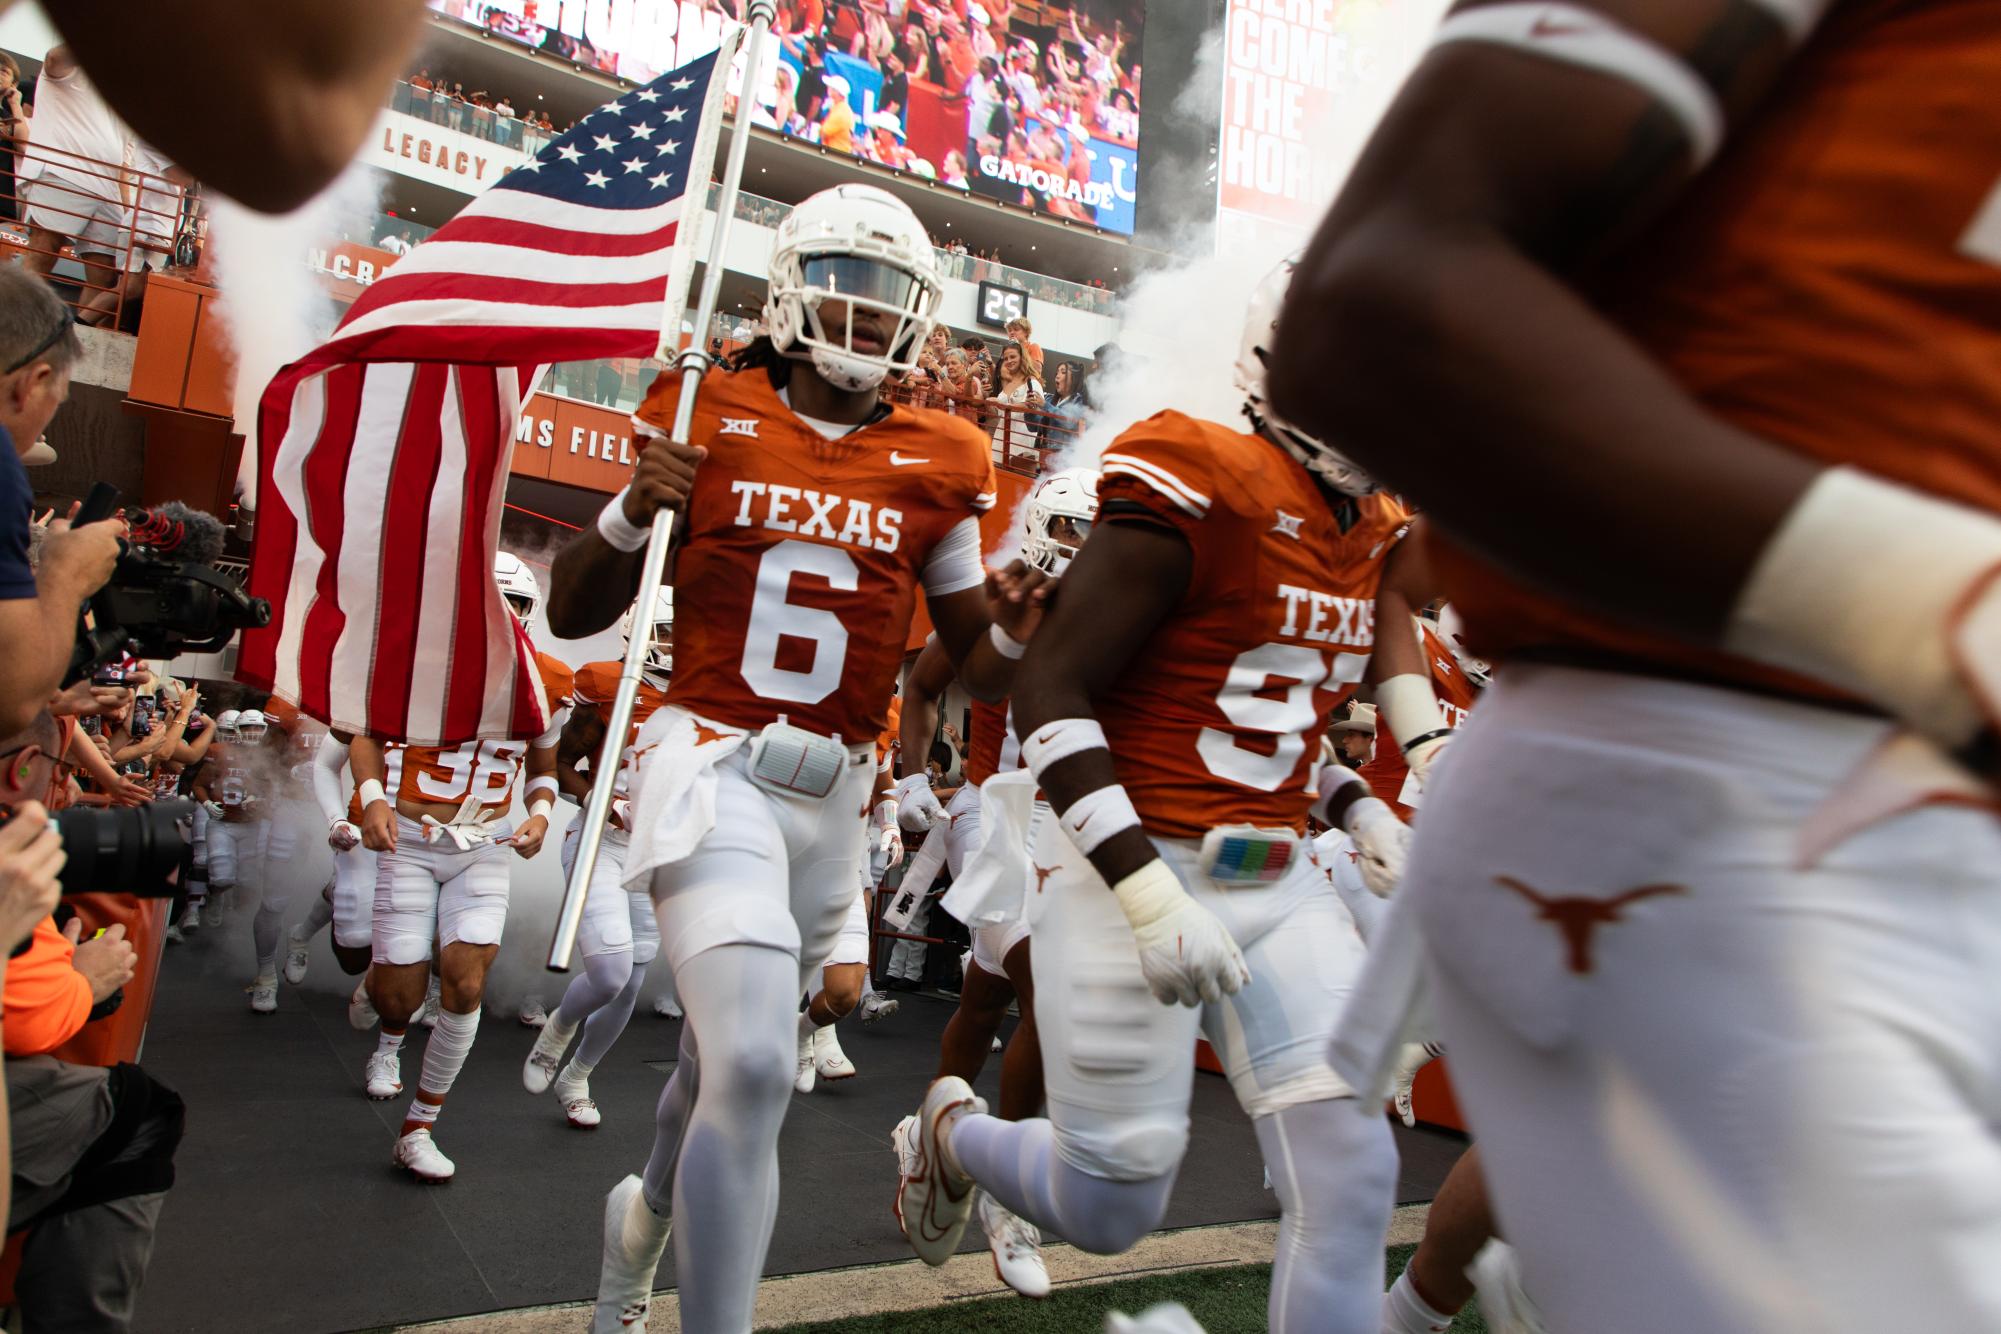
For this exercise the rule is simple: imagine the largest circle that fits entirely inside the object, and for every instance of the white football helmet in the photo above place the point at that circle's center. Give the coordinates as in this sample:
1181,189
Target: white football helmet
251,725
862,246
660,644
1453,631
226,724
1071,494
517,585
1260,329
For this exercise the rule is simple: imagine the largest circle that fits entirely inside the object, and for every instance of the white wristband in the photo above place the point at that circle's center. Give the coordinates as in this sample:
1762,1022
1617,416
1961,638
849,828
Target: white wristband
370,791
1097,816
541,806
542,783
621,533
1006,644
1059,740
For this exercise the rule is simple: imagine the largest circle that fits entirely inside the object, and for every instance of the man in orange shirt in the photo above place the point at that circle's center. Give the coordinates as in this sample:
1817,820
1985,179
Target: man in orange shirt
1682,316
92,1148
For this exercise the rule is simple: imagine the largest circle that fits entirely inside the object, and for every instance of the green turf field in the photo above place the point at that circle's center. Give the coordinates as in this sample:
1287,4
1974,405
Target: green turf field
1226,1301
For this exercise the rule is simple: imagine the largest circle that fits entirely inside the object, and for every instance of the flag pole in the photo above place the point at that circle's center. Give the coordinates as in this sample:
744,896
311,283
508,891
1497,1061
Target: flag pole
693,362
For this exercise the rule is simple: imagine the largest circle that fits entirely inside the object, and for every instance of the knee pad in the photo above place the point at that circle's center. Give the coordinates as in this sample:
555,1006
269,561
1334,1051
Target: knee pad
473,909
734,920
1130,1146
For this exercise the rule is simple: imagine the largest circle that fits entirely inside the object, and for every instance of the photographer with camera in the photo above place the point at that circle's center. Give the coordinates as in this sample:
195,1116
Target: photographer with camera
39,606
92,1149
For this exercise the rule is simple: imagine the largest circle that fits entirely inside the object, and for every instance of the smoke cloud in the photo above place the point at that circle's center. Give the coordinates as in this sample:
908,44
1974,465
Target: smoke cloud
1181,319
272,302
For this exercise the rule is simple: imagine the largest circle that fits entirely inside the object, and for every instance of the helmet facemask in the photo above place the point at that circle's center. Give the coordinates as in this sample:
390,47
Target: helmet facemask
896,302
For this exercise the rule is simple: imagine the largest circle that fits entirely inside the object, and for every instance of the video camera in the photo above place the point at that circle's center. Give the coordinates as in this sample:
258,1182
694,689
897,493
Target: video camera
166,596
125,849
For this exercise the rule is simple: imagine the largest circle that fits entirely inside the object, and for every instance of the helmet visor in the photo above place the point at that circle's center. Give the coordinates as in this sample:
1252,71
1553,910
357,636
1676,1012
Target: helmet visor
862,278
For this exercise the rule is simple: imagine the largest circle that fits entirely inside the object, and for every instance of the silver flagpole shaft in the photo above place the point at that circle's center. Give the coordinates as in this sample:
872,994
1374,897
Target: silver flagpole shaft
694,362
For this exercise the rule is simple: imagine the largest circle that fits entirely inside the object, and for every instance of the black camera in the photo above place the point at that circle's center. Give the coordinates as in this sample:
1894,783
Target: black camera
127,849
165,596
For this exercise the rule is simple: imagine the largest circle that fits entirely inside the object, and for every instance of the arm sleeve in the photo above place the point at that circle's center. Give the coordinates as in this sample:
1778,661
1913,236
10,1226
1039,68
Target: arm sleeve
328,761
46,999
954,564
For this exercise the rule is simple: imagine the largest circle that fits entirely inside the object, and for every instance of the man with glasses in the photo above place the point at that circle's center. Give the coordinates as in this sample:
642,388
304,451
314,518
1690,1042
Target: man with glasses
38,607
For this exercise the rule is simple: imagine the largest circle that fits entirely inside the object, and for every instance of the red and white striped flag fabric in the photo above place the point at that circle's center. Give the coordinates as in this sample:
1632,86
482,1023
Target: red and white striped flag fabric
382,455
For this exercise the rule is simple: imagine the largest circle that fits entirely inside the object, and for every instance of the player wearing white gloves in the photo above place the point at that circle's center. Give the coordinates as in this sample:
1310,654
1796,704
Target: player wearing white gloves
1171,708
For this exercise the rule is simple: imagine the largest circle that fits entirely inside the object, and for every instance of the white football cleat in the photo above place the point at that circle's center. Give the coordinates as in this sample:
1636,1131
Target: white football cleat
997,1044
1413,1058
1496,1273
296,959
174,936
545,1058
575,1095
263,991
828,1058
384,1073
427,1013
191,919
634,1240
667,1007
808,1073
1017,1248
533,1013
1166,1318
876,1006
212,911
418,1154
361,1015
934,1198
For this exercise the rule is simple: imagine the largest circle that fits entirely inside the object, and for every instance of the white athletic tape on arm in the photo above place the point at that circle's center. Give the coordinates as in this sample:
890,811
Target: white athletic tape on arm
541,783
619,532
1860,588
1006,644
327,763
1097,816
1590,40
1409,707
541,808
1060,739
371,792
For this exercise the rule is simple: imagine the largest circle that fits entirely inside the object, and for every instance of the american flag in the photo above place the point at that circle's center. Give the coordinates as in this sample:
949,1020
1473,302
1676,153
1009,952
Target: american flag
383,455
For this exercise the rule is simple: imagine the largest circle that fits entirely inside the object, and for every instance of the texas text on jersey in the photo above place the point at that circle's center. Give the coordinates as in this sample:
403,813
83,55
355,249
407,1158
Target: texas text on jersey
1210,725
483,772
802,555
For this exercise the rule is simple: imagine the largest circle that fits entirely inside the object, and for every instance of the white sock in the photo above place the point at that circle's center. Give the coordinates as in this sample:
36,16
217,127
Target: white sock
445,1054
390,1042
576,1072
1405,1312
314,922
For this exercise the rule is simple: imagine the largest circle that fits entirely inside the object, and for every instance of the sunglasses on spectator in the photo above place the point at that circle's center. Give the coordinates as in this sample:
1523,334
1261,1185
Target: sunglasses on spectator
55,335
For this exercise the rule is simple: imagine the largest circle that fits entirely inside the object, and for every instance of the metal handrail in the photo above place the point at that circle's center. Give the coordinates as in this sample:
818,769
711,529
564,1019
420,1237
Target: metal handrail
60,195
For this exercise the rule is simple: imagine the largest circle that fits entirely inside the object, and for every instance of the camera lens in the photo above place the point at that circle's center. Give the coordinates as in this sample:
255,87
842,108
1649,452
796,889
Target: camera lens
125,849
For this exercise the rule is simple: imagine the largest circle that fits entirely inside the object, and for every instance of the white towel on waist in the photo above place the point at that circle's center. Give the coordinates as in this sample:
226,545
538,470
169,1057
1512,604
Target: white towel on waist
674,789
994,880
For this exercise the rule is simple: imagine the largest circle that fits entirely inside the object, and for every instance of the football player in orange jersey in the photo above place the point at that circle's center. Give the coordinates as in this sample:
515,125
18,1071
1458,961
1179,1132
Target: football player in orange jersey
1172,709
1685,316
1056,518
811,512
442,875
247,841
618,936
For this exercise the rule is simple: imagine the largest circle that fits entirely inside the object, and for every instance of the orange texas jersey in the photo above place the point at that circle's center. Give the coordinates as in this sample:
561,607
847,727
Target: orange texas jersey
1217,718
392,779
1831,284
991,747
801,557
1386,770
596,683
485,770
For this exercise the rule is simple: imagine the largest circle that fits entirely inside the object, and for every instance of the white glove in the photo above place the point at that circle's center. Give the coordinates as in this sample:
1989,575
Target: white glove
1186,953
1382,839
341,835
214,808
621,811
919,805
889,839
1422,757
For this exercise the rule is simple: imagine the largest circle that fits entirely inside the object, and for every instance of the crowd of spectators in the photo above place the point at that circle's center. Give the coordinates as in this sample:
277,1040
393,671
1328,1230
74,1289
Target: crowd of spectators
1035,89
483,115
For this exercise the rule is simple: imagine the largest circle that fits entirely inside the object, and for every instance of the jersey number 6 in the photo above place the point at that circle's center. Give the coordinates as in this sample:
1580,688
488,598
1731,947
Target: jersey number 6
773,618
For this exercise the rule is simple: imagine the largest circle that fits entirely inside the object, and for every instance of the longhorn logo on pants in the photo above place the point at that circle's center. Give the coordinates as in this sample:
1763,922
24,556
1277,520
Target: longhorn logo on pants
1577,918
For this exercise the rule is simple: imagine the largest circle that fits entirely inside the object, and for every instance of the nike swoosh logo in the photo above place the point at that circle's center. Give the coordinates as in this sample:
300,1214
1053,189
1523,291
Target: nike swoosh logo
1556,27
897,460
